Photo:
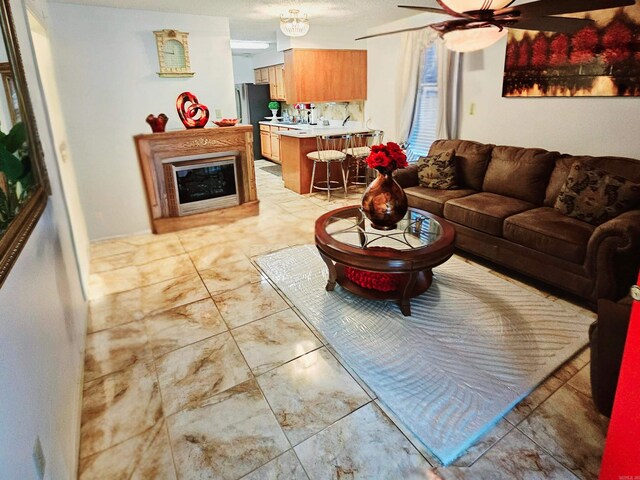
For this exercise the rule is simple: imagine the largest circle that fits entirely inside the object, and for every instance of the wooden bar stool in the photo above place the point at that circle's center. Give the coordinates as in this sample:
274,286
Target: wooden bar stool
331,149
358,152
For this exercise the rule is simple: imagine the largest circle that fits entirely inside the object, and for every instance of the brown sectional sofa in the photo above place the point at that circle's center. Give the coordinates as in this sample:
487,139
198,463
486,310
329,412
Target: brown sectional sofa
503,211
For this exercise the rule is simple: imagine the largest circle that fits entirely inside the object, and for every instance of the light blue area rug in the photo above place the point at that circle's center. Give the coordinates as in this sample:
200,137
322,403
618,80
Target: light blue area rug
474,346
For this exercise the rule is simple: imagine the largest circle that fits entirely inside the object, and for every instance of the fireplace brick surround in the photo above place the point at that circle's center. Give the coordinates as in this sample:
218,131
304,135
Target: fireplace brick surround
156,151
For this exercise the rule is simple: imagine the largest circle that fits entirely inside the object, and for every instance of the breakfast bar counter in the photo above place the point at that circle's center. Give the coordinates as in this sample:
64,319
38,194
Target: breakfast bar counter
296,167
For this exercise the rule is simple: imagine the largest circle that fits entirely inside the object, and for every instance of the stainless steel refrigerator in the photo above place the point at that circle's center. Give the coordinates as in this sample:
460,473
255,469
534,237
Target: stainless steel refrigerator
252,105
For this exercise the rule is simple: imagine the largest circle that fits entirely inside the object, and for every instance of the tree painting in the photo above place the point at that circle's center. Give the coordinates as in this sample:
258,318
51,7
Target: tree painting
601,59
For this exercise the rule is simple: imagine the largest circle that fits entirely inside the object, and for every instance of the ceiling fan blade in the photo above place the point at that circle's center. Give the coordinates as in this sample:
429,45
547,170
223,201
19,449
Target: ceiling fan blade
559,7
425,9
552,24
393,31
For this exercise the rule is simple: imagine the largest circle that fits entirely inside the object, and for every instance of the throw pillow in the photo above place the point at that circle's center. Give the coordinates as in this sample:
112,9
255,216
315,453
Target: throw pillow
438,171
595,196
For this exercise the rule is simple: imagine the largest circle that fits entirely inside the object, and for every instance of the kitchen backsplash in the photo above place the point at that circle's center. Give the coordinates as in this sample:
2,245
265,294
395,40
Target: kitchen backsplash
333,110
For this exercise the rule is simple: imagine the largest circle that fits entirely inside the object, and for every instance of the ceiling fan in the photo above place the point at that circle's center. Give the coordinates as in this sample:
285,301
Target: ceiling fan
480,23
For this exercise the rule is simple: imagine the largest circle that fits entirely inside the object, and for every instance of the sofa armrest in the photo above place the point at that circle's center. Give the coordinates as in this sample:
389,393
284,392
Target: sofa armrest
613,245
407,177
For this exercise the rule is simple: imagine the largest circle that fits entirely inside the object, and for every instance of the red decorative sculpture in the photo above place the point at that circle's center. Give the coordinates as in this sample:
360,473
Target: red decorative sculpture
192,114
157,123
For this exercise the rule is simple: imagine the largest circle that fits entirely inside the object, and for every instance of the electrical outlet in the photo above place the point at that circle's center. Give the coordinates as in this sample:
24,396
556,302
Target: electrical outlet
38,458
218,113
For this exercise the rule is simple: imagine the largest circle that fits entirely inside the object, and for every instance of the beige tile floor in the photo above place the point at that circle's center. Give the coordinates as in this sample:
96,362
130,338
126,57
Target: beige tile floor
196,368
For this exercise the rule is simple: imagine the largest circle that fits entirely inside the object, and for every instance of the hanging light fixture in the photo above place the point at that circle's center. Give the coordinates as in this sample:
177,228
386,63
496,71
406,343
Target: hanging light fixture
294,25
470,40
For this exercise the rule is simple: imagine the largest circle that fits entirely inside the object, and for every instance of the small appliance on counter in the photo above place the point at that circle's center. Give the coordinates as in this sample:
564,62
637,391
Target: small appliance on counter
313,115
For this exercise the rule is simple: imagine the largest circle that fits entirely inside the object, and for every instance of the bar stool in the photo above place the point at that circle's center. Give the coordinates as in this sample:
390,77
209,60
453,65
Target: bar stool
358,152
331,149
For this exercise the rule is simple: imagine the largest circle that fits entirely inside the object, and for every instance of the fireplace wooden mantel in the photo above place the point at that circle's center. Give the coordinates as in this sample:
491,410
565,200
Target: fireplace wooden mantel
156,149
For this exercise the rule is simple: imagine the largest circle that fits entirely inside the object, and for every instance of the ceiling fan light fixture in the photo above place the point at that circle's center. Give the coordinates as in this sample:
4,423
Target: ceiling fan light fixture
473,5
473,39
295,24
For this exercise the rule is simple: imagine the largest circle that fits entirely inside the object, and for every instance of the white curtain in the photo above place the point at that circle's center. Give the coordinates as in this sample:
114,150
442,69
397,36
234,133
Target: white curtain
413,44
448,89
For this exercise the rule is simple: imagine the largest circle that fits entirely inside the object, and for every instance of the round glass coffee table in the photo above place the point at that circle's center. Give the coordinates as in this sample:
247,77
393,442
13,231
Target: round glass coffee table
358,255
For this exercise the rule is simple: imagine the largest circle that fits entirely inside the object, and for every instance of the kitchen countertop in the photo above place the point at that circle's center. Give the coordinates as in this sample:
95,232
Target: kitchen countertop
309,131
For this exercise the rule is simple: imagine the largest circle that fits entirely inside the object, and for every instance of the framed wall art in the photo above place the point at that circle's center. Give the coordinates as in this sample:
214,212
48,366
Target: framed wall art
600,59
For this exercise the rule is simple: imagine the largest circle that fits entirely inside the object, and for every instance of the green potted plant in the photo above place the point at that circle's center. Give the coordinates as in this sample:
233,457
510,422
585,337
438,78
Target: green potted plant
274,106
16,178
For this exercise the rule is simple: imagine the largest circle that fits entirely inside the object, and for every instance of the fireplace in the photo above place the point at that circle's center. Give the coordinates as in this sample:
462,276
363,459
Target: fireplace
201,183
198,177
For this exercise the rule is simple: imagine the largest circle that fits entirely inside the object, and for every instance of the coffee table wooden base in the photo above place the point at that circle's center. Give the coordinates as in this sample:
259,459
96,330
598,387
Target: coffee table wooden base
417,283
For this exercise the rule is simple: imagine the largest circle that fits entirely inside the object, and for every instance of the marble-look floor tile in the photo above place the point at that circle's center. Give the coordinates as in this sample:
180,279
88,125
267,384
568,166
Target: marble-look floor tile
285,467
195,238
128,278
310,393
274,340
515,457
119,406
569,427
227,436
143,457
248,303
196,372
180,326
113,349
140,255
581,381
573,366
125,307
107,248
230,276
543,391
365,445
213,256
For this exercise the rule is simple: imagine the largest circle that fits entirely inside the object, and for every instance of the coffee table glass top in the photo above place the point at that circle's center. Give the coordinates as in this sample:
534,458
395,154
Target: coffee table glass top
415,230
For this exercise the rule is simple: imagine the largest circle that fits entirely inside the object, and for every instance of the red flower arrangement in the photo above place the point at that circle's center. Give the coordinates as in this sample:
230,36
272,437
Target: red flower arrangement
386,158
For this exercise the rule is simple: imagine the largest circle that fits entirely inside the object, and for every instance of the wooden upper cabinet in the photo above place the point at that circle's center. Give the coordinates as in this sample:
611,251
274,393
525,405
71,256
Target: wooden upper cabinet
325,75
261,75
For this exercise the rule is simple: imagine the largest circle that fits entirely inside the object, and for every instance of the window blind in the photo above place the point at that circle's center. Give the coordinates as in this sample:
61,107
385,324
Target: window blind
423,127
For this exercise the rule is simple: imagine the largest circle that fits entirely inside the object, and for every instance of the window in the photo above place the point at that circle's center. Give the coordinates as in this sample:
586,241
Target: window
425,118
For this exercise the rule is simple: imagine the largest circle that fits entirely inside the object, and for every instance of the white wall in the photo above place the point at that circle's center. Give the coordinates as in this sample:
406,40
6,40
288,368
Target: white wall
243,69
44,58
106,64
42,327
270,57
593,126
325,37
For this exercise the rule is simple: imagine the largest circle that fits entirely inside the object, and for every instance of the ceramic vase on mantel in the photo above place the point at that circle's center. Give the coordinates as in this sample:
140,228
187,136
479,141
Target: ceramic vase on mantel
384,202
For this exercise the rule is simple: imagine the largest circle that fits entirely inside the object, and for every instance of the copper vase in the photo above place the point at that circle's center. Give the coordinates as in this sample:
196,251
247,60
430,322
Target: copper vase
384,202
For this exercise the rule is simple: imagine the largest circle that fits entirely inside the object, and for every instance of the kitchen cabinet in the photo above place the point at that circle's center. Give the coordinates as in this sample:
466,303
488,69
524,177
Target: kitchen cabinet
261,75
274,76
265,143
314,75
275,146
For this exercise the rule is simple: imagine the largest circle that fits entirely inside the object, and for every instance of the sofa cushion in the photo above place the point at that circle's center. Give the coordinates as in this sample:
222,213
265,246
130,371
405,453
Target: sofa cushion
625,167
433,200
521,173
472,159
546,230
438,170
594,195
484,211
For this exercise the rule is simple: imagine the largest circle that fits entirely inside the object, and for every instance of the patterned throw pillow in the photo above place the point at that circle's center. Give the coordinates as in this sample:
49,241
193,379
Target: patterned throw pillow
595,196
438,171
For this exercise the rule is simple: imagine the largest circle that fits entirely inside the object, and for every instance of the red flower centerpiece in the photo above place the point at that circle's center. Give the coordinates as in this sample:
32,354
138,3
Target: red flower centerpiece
384,201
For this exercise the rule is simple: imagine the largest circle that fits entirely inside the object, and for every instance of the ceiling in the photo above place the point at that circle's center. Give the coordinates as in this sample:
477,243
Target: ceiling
258,19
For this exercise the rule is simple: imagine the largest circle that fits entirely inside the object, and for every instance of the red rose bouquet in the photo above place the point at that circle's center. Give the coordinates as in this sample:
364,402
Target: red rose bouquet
386,158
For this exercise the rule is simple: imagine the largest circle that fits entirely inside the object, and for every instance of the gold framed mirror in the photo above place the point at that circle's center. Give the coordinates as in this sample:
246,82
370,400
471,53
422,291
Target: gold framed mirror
24,186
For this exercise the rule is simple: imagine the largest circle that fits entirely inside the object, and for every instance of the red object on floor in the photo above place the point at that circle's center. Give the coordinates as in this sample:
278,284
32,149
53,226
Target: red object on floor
621,459
382,282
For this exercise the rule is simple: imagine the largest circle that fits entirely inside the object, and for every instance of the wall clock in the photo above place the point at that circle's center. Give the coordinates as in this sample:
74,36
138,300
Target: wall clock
173,53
